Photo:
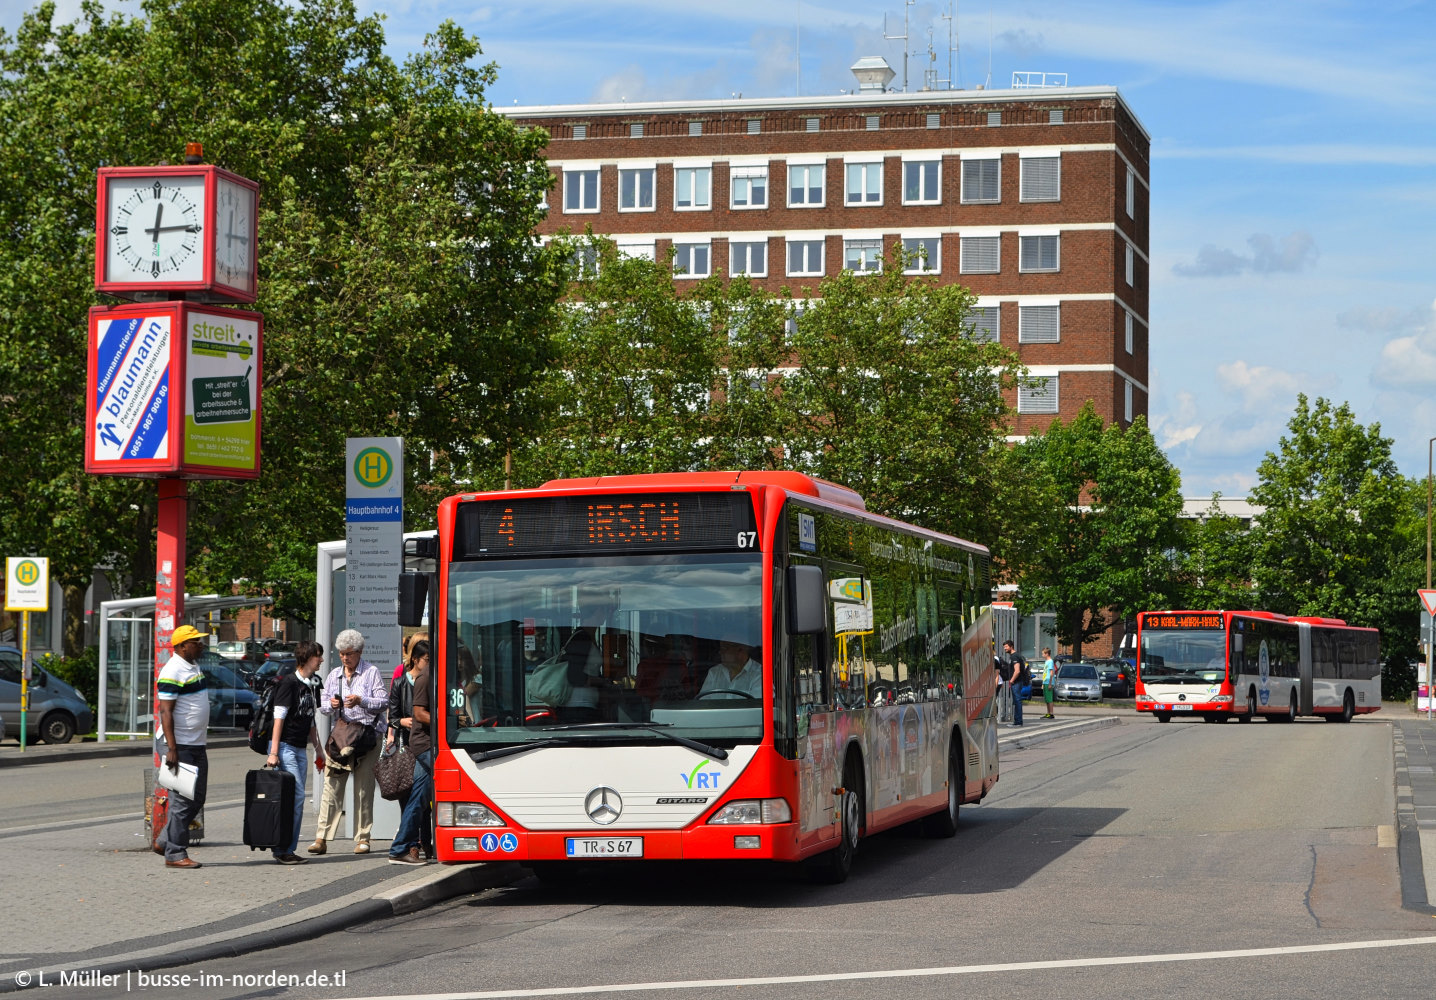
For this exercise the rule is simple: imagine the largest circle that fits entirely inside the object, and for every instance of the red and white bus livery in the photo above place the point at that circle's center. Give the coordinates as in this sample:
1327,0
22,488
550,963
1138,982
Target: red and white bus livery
1219,664
704,665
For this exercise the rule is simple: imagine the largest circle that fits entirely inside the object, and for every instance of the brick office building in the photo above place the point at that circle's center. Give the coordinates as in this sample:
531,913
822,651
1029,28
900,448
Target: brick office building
1037,200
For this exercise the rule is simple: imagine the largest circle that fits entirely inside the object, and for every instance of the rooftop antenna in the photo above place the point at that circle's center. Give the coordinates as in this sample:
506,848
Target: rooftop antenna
904,37
951,18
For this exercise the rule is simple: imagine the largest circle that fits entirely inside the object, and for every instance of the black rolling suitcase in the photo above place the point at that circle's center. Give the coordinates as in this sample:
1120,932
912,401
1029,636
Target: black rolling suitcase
268,808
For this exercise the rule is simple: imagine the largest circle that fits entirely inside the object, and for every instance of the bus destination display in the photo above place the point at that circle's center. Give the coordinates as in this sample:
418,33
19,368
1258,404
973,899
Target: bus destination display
635,522
1181,621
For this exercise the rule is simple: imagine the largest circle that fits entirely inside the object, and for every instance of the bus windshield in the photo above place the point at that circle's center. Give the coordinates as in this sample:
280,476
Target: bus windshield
1183,656
605,650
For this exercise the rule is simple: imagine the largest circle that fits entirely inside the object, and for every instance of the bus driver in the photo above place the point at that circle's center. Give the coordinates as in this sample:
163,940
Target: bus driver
736,671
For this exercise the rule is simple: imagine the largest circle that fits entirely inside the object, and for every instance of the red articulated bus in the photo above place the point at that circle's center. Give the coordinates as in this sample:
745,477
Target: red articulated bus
1242,664
734,665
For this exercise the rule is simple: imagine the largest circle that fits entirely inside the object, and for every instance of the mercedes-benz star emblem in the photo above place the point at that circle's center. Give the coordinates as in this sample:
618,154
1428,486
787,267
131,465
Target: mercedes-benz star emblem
603,805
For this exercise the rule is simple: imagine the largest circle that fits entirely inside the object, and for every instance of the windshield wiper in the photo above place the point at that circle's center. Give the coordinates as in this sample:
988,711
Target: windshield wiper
483,755
717,753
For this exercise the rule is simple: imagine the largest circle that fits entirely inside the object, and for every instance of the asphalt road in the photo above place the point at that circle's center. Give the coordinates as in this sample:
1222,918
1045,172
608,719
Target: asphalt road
1139,860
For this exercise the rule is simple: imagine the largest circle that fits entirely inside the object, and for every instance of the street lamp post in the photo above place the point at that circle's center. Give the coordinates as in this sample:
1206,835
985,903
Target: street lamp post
1430,624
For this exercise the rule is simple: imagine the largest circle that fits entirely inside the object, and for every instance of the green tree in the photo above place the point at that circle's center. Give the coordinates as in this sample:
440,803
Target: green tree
1216,562
1342,533
892,395
1109,545
402,290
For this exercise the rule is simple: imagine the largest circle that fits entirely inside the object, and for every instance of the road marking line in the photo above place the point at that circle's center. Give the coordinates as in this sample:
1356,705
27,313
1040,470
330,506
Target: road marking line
950,970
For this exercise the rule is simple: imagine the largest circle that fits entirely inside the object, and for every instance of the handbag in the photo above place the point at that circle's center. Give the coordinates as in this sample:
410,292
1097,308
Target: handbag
348,734
182,780
394,770
548,684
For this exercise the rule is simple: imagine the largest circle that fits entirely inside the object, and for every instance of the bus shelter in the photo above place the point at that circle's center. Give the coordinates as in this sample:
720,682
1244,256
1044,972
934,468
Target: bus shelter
127,658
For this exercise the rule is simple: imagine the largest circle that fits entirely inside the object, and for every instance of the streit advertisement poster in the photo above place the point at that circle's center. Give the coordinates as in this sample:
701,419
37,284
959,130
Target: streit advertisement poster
221,402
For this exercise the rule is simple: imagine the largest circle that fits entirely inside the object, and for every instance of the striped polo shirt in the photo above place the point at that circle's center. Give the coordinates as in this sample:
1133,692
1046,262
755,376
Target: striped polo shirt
186,685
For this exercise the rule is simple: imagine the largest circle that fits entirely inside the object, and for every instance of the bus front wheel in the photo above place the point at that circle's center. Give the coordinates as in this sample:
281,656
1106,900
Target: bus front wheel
1163,716
832,867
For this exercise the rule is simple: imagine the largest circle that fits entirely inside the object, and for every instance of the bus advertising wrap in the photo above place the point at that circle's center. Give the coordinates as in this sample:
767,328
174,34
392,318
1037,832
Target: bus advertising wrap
173,390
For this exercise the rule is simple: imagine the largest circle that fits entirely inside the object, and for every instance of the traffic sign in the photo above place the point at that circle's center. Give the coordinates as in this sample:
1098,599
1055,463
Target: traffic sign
27,583
1428,600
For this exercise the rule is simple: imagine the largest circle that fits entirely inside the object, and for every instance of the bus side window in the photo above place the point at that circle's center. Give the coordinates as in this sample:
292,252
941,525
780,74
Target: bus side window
811,678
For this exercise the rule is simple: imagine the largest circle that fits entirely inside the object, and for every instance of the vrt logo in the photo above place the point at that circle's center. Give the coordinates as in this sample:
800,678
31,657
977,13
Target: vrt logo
698,778
27,572
373,467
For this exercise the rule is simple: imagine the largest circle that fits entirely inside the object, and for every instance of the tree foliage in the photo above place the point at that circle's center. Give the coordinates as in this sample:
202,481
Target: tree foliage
1342,534
1216,562
1109,542
403,293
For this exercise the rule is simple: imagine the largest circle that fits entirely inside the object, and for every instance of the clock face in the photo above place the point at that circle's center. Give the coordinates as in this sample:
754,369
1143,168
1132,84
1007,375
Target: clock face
234,235
154,229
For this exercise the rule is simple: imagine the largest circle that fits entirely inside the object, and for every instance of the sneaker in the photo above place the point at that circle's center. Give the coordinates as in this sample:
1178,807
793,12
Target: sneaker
183,863
409,857
291,859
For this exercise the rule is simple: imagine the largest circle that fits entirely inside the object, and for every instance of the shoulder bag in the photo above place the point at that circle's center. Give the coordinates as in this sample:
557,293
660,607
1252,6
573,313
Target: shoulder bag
394,770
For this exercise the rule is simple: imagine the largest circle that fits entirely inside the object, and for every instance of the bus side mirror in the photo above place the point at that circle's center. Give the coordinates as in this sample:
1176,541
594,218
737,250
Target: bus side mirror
413,595
806,598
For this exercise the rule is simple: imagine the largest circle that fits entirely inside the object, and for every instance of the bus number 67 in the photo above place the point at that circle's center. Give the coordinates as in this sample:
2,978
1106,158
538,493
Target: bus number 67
747,539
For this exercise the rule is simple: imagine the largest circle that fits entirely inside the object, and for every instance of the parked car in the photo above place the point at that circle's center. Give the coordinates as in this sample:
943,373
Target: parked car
57,711
231,702
1118,680
1078,682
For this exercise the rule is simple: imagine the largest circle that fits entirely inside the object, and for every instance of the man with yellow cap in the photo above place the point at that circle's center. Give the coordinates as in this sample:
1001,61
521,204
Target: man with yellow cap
183,707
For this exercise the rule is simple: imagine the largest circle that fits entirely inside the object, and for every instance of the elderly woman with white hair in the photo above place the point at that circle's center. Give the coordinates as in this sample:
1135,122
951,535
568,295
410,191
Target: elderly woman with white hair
356,694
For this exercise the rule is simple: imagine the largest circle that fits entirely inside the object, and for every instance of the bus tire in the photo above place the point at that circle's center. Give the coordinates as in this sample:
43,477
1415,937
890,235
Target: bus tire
1251,711
1163,716
1290,714
832,867
941,825
1348,707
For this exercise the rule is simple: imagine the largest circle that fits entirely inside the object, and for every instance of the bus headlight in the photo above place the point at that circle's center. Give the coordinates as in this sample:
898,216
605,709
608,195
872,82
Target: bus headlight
754,811
466,814
1222,699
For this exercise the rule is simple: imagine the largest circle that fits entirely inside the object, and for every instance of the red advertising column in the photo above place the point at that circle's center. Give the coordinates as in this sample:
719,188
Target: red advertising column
169,565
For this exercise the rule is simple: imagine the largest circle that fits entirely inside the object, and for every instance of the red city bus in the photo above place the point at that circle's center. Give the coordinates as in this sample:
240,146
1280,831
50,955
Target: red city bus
1220,664
700,665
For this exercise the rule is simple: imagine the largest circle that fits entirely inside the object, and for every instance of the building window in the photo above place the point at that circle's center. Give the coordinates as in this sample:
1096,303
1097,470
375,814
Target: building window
862,255
986,323
584,262
1038,253
934,120
636,248
695,128
1041,178
872,123
580,190
580,131
1127,400
805,257
1037,395
921,182
994,118
805,185
692,187
749,187
1130,339
924,252
865,183
980,254
981,181
635,190
692,260
812,124
1056,116
635,130
755,126
1131,193
748,258
1038,325
1130,262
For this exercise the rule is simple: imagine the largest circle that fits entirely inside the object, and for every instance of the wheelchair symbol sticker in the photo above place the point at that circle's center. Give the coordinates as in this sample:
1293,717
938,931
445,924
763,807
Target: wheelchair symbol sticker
489,843
508,843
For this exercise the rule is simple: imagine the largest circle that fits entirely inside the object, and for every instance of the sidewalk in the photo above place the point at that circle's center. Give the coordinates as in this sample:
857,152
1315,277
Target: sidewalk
93,896
43,753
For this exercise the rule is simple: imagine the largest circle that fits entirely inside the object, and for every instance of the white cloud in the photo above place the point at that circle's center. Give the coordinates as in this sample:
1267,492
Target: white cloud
1409,362
1292,254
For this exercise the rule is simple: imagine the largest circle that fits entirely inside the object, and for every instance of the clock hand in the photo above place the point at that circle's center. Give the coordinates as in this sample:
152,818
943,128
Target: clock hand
174,229
159,213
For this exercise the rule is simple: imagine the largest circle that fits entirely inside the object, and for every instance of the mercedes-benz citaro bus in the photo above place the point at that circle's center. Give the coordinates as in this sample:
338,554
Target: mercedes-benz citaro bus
1242,664
699,665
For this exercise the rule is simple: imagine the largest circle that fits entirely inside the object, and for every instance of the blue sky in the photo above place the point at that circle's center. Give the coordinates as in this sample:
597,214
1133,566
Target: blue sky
1293,235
